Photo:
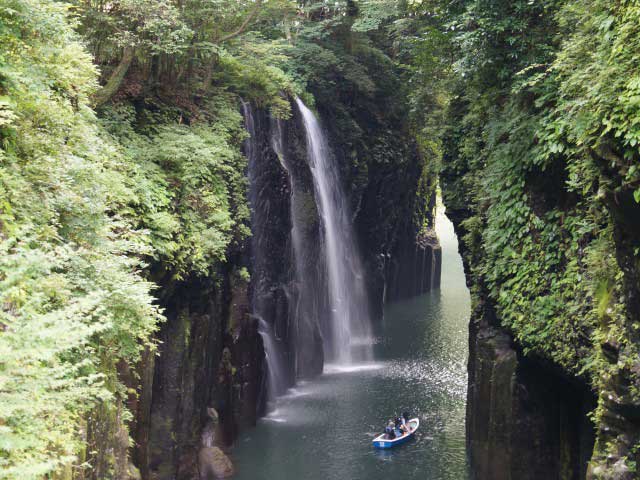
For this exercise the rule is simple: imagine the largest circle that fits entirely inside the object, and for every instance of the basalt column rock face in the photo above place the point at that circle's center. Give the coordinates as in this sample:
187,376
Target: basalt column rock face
416,267
270,259
209,359
524,420
183,378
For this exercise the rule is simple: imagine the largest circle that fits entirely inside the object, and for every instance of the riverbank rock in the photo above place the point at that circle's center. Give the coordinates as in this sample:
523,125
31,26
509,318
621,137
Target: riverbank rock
133,473
214,463
617,470
524,421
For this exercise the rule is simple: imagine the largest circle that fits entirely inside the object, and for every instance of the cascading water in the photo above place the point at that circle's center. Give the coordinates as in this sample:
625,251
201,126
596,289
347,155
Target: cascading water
296,234
276,383
348,331
300,277
276,380
305,278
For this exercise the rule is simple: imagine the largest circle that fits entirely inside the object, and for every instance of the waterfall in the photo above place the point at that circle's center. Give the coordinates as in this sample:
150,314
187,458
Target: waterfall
303,298
276,383
348,325
296,234
275,372
432,279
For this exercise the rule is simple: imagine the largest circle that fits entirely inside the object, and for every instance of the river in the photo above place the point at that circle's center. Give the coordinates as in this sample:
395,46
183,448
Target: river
322,429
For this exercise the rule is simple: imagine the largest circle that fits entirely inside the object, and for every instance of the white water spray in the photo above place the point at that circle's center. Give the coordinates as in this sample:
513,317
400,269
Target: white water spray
276,383
275,371
348,304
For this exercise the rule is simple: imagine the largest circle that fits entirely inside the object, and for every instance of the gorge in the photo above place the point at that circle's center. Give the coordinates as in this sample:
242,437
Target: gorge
322,428
236,236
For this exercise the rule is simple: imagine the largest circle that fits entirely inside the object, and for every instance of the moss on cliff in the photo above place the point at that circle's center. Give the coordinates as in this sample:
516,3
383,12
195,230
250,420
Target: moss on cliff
539,172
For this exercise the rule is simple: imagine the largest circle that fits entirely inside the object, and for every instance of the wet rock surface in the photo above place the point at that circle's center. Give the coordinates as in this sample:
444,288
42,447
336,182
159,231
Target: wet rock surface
524,421
213,463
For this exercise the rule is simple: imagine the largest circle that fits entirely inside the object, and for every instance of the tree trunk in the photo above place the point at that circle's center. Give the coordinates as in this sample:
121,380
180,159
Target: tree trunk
115,79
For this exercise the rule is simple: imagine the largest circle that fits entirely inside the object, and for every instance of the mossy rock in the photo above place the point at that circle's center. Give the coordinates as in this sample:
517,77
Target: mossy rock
133,473
214,463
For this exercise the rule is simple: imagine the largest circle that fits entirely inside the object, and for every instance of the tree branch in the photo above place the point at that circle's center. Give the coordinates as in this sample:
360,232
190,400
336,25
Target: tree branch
115,79
243,25
206,81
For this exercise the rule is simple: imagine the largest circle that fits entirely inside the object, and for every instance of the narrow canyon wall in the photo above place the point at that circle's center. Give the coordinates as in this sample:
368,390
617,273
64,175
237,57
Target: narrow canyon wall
550,395
541,175
525,419
204,382
209,377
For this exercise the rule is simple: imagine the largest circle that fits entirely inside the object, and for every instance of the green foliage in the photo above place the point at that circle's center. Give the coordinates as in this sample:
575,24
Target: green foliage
70,285
255,70
599,87
188,183
373,14
243,275
154,26
541,157
532,261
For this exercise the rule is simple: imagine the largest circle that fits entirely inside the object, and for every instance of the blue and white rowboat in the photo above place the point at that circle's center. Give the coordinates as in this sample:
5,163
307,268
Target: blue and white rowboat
382,442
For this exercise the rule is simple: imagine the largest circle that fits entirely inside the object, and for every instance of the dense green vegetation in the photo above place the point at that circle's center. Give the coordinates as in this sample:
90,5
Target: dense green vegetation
74,302
87,204
121,164
541,167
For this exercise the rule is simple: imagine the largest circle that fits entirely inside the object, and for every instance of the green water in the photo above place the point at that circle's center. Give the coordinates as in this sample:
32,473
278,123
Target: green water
323,429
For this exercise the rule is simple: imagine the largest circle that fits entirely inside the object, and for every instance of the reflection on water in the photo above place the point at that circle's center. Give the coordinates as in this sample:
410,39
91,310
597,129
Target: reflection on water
323,429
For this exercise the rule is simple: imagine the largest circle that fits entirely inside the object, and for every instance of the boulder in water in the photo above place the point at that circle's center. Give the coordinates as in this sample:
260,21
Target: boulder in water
213,463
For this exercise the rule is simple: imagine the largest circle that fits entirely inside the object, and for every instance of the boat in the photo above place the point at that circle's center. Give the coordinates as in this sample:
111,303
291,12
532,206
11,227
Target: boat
382,442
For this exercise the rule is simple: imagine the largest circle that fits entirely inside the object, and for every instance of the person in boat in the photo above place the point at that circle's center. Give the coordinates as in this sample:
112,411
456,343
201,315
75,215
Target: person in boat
401,425
398,424
405,420
390,430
